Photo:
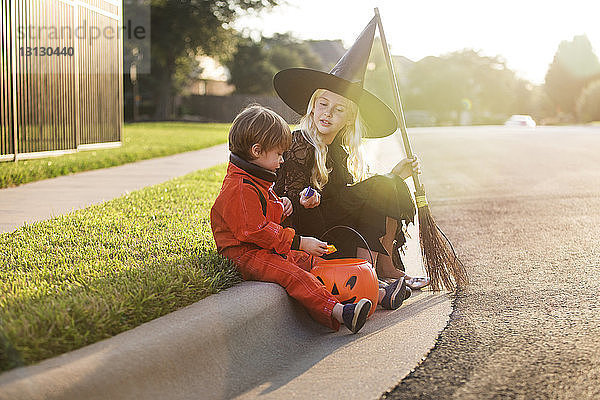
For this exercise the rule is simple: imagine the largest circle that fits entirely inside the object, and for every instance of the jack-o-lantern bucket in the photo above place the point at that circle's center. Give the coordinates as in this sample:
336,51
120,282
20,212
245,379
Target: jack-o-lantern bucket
348,279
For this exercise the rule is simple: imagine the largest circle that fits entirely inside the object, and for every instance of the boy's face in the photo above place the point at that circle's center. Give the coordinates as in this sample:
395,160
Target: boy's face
270,160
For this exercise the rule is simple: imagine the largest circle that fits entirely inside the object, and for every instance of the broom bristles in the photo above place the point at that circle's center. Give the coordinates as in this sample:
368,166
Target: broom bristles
441,263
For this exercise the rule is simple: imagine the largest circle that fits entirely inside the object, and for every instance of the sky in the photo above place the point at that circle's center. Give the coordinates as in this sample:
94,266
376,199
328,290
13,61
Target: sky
525,33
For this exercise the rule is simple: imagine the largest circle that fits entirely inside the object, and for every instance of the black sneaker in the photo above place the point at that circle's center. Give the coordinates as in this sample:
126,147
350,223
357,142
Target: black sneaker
395,293
355,315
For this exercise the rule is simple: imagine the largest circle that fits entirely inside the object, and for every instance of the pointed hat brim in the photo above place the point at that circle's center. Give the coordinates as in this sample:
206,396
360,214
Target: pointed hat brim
295,86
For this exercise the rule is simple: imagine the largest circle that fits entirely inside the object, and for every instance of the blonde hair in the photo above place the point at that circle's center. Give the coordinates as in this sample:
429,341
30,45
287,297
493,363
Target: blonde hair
258,124
351,140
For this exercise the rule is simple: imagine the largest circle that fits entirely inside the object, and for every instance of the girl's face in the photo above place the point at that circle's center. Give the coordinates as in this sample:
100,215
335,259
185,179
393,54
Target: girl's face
330,114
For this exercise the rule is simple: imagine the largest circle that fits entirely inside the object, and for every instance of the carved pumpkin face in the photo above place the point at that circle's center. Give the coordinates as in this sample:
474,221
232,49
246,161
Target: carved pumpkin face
348,279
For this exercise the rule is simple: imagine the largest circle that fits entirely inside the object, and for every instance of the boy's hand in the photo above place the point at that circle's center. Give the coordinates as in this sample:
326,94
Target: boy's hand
312,201
406,167
287,206
313,246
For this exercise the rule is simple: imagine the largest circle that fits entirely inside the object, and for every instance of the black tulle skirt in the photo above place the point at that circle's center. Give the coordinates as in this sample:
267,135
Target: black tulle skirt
364,207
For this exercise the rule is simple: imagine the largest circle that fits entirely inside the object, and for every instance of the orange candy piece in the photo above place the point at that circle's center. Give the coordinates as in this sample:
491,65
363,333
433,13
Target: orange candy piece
330,249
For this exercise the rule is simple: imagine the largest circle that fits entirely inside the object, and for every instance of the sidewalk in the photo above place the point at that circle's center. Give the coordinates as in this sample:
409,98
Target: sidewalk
42,200
269,348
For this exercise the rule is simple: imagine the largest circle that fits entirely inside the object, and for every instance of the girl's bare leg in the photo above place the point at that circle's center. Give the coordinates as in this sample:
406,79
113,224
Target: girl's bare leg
390,231
385,266
383,263
364,254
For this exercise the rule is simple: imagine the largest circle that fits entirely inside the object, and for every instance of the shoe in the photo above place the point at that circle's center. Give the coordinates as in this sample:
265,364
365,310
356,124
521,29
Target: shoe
395,293
355,315
384,284
418,282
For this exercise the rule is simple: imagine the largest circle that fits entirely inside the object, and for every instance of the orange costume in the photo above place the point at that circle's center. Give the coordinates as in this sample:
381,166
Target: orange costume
246,224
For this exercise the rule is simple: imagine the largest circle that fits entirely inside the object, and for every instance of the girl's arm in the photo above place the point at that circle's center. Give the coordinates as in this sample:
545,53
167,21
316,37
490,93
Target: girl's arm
310,198
294,174
406,167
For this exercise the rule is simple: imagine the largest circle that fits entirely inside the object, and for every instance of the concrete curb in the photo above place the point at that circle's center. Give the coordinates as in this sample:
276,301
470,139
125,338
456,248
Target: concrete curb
251,340
195,352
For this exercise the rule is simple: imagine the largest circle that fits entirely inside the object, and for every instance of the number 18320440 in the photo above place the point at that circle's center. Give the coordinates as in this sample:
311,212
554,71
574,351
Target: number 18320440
46,51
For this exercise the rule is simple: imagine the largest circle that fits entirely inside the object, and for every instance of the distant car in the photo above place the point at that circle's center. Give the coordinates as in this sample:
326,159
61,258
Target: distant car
520,120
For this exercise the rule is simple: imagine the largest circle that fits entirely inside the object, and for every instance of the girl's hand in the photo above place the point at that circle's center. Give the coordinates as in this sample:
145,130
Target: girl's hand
313,246
287,206
407,167
310,202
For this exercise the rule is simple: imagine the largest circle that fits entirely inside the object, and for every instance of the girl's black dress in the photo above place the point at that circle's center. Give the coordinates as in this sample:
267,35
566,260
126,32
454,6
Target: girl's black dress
363,206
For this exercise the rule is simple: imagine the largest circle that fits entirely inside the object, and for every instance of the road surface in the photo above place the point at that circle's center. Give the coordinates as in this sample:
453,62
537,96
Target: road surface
522,208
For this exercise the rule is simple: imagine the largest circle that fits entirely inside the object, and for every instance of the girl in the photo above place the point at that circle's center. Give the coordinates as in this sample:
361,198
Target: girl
326,155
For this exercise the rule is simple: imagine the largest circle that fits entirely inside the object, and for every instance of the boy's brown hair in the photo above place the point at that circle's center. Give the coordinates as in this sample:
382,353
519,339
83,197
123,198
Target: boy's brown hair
258,124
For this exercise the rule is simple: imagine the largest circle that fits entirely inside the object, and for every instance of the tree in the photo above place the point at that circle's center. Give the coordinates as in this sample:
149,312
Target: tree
588,103
285,51
463,80
573,67
377,77
328,51
254,63
181,29
251,72
542,107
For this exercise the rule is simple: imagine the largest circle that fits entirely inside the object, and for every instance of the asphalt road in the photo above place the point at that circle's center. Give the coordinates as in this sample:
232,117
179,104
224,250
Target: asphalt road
522,208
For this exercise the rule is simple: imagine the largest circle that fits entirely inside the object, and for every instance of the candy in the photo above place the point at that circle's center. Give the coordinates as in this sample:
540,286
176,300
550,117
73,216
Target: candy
330,249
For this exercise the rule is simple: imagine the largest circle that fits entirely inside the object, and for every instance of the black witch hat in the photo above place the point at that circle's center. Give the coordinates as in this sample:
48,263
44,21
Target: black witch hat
295,86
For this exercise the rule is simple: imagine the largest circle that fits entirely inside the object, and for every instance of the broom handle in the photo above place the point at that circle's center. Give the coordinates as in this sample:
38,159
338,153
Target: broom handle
397,103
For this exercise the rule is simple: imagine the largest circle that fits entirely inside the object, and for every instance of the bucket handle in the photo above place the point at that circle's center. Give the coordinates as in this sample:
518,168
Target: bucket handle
359,235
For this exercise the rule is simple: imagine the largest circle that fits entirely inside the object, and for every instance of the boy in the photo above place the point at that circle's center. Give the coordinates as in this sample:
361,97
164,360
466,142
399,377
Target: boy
246,222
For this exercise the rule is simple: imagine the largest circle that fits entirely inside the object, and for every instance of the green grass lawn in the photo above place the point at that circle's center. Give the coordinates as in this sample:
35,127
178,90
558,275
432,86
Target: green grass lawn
140,141
86,276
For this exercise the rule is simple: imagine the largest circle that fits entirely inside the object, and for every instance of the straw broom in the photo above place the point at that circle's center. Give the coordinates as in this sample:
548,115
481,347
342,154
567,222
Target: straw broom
441,263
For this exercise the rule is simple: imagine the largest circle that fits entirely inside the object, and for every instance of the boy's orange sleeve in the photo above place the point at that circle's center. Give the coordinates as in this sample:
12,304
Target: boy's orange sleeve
248,224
